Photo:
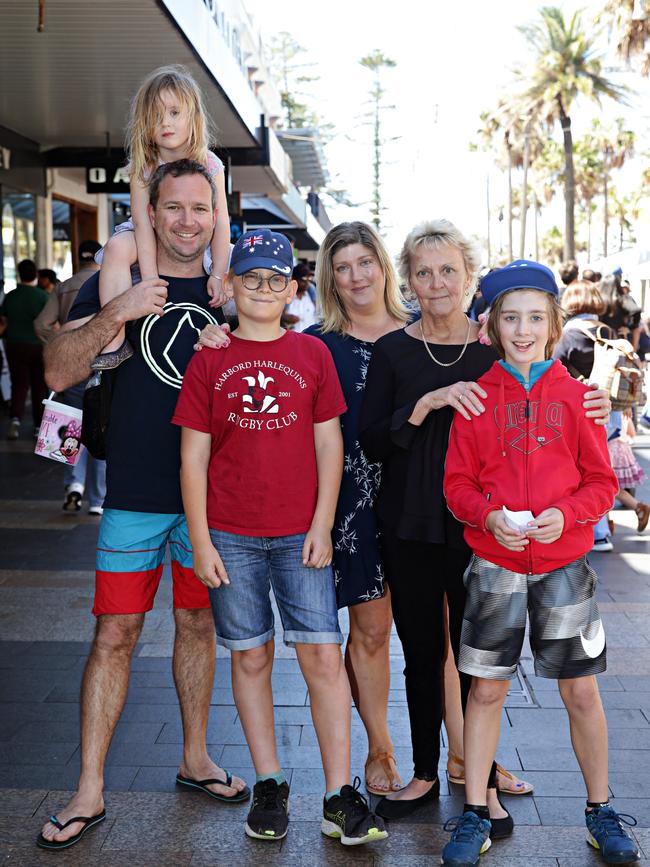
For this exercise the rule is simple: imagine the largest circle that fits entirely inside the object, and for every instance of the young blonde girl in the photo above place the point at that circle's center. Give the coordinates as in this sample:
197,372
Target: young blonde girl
167,122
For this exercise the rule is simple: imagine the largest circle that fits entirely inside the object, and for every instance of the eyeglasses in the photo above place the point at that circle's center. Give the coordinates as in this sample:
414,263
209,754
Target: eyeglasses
253,281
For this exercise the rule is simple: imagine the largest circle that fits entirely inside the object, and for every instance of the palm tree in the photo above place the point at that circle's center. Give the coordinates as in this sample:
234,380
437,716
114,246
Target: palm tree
588,163
520,140
564,67
494,129
630,22
615,146
375,62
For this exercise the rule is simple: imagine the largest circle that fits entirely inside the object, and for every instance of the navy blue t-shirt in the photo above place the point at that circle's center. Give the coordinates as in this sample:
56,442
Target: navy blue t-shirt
143,447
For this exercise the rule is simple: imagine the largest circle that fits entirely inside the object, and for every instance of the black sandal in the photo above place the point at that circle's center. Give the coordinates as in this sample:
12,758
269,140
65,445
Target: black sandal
202,786
88,822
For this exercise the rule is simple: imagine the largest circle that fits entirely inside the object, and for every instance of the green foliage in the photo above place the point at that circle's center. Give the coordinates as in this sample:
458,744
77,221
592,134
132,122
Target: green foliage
286,64
565,66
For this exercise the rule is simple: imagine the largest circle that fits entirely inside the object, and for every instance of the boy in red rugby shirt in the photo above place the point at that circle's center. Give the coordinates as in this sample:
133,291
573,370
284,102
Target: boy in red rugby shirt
262,457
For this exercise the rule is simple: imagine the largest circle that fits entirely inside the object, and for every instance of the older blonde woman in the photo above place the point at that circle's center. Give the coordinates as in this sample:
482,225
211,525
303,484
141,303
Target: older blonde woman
360,301
417,377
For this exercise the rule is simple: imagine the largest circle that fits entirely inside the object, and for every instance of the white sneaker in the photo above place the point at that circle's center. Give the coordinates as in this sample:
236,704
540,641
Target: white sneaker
603,544
95,510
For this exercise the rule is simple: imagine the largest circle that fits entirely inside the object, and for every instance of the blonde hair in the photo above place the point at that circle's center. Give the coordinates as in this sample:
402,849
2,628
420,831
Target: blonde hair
433,234
335,316
555,322
144,115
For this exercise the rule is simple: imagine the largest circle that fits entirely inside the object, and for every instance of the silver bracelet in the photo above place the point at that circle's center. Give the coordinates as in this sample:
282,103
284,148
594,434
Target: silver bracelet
216,277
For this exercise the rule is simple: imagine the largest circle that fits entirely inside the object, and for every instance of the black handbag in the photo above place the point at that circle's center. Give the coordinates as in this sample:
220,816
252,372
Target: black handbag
96,412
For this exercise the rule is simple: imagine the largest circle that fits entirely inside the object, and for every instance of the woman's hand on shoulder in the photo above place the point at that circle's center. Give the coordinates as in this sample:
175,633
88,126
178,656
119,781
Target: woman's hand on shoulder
465,397
214,337
596,404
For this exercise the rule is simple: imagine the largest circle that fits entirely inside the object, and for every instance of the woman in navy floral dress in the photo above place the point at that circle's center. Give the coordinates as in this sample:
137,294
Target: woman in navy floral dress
360,301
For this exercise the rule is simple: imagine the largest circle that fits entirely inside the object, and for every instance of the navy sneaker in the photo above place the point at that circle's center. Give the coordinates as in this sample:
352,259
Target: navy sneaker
347,818
607,834
469,840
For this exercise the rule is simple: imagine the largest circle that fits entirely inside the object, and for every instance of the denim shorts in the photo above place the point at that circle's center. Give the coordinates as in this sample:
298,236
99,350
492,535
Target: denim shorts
242,611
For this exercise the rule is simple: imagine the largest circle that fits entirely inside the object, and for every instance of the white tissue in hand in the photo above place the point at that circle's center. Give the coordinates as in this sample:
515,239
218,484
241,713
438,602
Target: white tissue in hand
518,520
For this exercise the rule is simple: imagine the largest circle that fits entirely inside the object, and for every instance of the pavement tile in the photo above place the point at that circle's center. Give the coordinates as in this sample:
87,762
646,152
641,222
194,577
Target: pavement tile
224,733
44,712
186,834
292,716
306,840
563,759
636,683
289,754
559,811
631,718
559,783
21,833
643,837
21,802
139,754
611,700
630,784
55,777
38,753
152,679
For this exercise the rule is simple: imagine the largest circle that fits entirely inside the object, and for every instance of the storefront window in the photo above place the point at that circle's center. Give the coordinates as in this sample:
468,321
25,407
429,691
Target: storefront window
18,241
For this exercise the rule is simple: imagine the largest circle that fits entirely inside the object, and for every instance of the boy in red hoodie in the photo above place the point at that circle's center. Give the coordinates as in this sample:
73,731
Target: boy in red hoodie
534,453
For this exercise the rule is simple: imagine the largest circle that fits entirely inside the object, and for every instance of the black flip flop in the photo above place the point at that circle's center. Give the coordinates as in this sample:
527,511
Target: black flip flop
202,786
88,822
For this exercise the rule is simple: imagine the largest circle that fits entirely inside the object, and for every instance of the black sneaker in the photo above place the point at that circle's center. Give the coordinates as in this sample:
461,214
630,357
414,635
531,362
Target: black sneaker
72,502
347,816
268,817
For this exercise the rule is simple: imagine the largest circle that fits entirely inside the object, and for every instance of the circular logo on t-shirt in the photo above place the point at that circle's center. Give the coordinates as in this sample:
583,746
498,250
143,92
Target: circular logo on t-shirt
167,342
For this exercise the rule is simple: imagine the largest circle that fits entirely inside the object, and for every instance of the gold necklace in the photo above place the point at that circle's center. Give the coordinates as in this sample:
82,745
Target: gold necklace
462,352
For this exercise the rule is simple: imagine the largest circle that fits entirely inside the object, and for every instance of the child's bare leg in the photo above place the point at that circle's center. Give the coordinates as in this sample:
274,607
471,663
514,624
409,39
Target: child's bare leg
251,686
626,499
481,735
329,691
588,733
120,253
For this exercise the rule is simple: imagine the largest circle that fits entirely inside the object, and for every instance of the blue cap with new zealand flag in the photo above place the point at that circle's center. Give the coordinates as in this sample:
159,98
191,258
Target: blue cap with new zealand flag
262,248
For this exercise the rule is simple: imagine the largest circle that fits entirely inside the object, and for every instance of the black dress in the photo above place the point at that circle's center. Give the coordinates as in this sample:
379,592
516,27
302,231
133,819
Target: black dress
357,564
422,545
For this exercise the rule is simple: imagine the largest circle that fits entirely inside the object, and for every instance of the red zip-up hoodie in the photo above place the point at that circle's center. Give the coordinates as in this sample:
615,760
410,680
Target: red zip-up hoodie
530,450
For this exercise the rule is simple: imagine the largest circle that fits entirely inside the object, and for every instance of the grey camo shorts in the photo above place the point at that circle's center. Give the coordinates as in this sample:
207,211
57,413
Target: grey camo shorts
566,633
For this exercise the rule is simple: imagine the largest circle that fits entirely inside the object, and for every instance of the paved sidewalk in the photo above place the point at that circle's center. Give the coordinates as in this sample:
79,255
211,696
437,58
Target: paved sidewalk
46,582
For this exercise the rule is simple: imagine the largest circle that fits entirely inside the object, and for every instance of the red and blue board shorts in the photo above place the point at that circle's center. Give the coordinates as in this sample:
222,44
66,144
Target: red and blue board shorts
130,559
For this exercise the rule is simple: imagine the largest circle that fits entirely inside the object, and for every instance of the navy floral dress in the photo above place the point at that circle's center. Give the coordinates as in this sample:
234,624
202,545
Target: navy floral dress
357,565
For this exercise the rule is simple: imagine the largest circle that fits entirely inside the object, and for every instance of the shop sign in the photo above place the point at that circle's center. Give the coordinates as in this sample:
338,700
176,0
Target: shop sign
109,178
228,30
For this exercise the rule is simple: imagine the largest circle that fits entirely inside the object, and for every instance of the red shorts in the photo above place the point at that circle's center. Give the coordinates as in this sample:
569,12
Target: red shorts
130,558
